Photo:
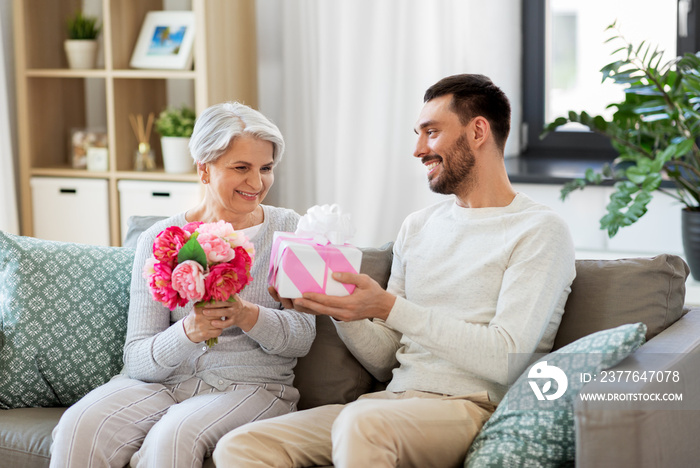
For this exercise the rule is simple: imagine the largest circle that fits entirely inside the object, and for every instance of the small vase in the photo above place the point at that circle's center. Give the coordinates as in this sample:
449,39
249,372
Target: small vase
176,155
81,53
144,158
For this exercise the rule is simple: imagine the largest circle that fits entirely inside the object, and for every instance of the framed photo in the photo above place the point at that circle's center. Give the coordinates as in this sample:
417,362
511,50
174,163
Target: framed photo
165,41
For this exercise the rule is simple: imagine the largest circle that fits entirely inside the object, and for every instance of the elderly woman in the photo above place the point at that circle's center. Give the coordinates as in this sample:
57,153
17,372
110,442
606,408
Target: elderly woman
176,397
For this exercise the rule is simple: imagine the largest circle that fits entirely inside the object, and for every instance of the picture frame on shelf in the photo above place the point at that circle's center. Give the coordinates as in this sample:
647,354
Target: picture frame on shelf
166,41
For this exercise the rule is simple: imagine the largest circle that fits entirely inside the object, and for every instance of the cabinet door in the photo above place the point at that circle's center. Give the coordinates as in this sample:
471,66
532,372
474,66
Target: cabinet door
147,198
71,209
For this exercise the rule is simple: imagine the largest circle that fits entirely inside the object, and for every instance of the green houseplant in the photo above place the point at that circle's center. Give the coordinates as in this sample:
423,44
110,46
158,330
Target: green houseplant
655,131
176,122
175,126
81,45
81,27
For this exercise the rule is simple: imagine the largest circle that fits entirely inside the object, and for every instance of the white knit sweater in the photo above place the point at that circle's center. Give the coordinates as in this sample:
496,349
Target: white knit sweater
472,286
157,349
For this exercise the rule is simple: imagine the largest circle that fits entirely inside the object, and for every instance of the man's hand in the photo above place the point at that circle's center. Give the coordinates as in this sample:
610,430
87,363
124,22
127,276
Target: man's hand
368,300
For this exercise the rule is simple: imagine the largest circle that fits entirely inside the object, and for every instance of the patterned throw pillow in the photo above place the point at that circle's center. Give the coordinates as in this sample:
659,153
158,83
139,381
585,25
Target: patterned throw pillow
63,308
525,431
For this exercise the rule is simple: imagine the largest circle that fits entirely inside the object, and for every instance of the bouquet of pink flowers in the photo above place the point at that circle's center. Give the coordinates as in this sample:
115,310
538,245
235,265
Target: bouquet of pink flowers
202,262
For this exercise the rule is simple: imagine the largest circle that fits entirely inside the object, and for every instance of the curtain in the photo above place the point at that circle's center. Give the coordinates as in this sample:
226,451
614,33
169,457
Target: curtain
344,80
8,197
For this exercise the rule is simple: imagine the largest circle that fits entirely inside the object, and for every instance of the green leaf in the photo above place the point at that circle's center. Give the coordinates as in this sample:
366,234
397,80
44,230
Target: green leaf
655,117
647,90
685,147
647,108
652,182
82,26
176,122
571,186
192,251
636,175
600,123
593,177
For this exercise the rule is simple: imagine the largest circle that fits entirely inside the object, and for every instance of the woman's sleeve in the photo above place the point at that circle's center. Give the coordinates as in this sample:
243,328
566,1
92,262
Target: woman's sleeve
284,332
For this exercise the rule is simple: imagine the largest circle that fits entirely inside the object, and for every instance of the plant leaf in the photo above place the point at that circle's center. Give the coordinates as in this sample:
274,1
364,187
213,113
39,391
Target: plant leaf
192,250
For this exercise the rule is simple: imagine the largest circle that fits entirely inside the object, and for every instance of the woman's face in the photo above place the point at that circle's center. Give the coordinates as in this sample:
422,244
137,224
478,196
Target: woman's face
241,177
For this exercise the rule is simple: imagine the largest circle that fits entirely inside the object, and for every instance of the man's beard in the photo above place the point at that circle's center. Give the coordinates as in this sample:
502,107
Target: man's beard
457,168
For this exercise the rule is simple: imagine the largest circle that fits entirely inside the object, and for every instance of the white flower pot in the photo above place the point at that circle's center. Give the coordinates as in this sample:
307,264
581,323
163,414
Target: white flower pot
81,53
176,154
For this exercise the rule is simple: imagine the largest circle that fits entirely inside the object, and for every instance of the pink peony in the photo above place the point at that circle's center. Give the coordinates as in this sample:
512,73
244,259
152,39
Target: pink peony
191,227
243,262
224,280
250,249
161,287
188,280
225,231
168,243
238,239
217,249
218,229
148,269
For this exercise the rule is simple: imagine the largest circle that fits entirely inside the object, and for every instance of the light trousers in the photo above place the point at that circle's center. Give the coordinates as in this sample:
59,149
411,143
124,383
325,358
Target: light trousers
154,425
383,429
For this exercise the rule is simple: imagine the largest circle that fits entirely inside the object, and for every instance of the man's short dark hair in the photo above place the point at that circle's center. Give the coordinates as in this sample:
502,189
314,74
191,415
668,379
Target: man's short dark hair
475,95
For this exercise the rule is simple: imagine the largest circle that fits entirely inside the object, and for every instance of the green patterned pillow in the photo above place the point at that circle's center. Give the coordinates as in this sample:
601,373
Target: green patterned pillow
63,308
526,431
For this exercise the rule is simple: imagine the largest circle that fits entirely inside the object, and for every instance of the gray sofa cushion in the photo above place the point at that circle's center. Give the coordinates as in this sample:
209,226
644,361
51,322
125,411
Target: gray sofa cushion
610,293
25,436
138,224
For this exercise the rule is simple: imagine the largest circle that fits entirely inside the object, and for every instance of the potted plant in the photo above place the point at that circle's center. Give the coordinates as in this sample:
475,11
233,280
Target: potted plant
175,125
655,131
81,45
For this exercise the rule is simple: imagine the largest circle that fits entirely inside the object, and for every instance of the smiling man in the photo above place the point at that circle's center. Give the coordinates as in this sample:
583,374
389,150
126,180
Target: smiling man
474,278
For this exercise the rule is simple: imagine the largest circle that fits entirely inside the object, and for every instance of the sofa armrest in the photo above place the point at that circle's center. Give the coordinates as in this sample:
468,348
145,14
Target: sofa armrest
646,433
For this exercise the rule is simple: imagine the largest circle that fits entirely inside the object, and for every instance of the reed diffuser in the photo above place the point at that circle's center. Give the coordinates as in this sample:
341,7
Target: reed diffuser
144,158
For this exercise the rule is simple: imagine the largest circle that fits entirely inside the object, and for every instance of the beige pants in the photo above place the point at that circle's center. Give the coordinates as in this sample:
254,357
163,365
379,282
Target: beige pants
383,429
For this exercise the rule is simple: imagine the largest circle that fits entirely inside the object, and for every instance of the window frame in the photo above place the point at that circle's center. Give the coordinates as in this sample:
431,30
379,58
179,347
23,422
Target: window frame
566,144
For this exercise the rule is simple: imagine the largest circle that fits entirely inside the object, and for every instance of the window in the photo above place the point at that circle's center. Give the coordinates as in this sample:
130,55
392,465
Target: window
563,50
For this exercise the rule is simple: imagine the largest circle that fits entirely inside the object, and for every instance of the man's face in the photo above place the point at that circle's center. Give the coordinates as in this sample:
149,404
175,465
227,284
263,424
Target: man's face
443,147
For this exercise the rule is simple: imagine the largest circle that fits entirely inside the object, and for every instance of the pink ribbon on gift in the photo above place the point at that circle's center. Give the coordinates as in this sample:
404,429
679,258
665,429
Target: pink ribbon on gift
333,259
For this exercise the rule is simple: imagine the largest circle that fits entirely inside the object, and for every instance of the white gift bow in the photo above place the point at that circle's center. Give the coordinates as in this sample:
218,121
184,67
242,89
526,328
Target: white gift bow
326,224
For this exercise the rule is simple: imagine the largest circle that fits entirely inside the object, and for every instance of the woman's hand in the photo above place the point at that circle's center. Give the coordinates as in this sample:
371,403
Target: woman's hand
210,320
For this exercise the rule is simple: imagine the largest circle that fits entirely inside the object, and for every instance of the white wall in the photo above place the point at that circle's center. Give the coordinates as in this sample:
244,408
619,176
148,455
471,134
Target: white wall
658,231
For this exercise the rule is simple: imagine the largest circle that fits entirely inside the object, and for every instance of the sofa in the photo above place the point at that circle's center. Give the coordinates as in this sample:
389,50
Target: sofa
64,308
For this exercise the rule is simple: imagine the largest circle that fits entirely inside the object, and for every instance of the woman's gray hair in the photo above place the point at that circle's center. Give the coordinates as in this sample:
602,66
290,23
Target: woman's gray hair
218,125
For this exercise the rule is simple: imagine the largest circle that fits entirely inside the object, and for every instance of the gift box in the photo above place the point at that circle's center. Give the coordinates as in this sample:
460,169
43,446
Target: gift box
300,264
